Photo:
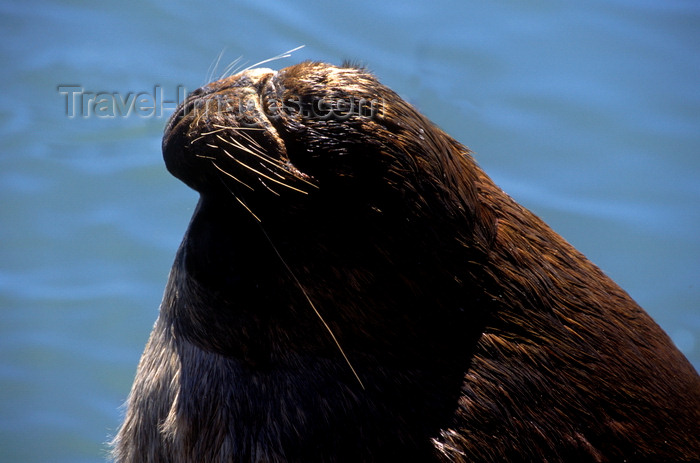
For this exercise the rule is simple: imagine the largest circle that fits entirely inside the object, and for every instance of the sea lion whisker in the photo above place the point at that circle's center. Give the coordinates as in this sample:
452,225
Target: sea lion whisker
259,148
225,127
270,189
240,201
205,157
233,177
195,140
254,150
266,176
204,134
273,172
286,54
212,67
212,132
253,141
198,115
237,144
246,149
285,166
299,175
313,306
232,68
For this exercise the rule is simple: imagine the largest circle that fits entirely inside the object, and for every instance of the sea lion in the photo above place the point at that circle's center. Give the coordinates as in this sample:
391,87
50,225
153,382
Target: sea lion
353,288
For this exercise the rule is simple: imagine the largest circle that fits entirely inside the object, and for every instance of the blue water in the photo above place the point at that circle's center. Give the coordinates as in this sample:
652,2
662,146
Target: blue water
588,113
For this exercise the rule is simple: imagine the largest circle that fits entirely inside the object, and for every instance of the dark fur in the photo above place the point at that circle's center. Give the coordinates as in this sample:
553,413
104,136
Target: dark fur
478,333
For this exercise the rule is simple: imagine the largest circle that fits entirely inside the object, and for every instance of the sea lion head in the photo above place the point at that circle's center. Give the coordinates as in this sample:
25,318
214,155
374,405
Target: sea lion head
370,207
322,139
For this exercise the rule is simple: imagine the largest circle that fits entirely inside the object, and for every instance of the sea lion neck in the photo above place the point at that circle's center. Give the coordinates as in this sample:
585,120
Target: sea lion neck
222,239
249,290
225,283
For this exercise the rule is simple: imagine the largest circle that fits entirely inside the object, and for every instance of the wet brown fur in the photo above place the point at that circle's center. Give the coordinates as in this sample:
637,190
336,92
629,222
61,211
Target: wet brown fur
477,332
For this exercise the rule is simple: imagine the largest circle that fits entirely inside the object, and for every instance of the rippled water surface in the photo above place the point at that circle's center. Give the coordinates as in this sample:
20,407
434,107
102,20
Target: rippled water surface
588,113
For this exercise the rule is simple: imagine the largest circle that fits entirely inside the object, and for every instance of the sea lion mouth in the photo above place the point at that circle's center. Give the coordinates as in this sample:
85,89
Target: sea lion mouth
223,135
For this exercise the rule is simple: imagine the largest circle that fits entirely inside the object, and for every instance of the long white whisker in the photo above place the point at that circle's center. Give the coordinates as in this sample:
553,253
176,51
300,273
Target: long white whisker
231,68
253,141
265,157
286,54
219,126
202,135
266,176
270,189
256,148
212,68
313,307
273,172
230,175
